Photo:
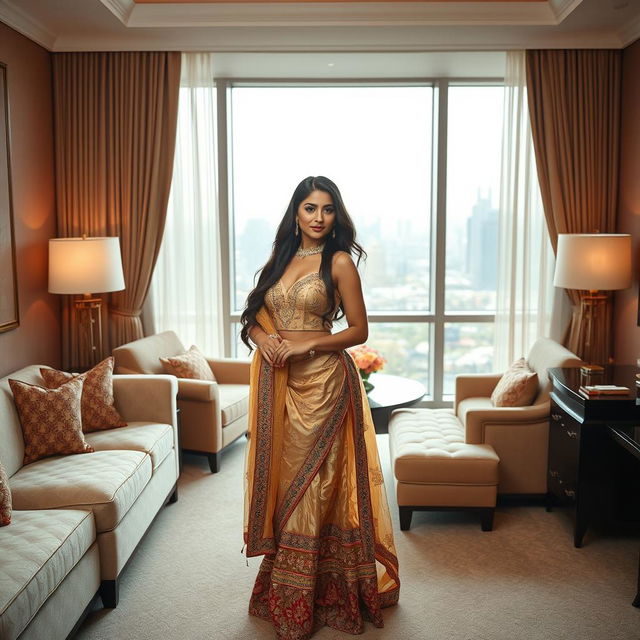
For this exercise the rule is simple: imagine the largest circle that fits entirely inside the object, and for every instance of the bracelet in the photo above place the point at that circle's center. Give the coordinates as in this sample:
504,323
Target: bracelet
272,335
312,352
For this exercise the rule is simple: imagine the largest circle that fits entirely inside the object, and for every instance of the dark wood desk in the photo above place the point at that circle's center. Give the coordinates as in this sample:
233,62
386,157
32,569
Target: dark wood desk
586,467
628,437
389,393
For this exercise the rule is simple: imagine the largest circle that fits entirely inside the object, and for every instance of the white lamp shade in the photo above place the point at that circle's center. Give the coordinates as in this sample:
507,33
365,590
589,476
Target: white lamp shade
593,261
85,265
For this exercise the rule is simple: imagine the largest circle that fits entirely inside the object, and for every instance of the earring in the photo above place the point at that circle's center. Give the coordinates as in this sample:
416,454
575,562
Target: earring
333,234
297,228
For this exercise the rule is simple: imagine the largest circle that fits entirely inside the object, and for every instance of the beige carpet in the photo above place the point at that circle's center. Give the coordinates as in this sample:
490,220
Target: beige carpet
524,580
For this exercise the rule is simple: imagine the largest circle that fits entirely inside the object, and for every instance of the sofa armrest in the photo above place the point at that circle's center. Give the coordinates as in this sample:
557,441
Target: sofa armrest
124,371
147,398
475,420
200,390
476,385
230,370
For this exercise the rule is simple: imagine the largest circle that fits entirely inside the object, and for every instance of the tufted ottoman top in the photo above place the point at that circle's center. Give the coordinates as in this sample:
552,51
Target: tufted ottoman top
428,447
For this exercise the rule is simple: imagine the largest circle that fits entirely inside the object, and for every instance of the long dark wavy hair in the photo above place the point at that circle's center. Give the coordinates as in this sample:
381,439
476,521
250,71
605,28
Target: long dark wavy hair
287,242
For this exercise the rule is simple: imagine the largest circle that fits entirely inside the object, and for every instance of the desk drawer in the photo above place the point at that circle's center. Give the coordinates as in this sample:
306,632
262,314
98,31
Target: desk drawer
564,444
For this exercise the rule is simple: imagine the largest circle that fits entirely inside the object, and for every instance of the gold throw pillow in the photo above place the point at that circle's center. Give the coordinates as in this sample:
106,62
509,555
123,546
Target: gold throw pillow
189,365
5,498
518,386
97,404
50,419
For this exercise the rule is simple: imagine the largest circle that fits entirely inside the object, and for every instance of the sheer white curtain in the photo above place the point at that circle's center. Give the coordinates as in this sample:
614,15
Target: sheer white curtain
525,256
186,287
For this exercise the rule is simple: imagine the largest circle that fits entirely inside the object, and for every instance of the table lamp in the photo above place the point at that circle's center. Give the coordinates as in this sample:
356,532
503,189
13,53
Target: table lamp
85,266
595,262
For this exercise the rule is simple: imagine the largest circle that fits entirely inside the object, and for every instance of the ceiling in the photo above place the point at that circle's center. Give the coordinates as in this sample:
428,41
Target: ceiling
333,27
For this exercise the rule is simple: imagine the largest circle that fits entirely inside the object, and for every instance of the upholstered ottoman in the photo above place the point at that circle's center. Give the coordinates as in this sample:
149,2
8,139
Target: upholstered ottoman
435,470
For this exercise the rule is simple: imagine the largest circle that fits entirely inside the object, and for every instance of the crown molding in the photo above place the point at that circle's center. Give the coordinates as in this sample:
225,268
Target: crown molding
562,8
630,32
26,25
350,40
343,14
122,9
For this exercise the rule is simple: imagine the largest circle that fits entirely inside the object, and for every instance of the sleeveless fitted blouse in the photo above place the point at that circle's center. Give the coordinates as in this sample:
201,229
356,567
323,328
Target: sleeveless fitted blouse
301,307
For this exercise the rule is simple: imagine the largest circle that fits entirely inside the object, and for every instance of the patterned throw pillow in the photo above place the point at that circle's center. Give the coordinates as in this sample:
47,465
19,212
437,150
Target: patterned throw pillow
98,410
189,365
5,498
518,386
50,419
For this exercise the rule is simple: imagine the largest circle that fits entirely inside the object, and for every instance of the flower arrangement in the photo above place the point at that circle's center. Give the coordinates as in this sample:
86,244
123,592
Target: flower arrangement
368,361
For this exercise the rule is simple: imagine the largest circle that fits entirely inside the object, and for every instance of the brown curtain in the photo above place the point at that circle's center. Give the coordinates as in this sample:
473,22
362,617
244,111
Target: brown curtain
115,119
574,105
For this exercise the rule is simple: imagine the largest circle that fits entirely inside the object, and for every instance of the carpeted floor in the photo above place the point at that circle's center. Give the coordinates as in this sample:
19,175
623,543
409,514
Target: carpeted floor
524,580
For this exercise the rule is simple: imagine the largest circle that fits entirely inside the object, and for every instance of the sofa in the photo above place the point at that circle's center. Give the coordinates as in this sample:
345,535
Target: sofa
213,414
77,519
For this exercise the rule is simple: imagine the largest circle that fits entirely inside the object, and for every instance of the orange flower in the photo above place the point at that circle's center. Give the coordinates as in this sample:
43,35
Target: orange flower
368,360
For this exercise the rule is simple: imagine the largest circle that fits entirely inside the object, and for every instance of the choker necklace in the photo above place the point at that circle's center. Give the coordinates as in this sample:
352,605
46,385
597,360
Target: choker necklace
303,253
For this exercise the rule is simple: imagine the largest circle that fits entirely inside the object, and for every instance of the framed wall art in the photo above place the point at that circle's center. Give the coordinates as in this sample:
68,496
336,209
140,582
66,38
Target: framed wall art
9,315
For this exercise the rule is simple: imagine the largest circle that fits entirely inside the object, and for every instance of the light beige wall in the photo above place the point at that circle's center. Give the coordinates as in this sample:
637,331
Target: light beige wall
37,339
626,330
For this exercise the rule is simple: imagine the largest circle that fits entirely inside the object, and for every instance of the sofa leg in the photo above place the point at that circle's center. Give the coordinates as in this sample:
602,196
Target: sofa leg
486,521
214,462
109,593
174,496
405,518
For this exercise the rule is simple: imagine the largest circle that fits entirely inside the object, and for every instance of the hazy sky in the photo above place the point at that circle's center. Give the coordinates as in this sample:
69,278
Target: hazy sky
374,142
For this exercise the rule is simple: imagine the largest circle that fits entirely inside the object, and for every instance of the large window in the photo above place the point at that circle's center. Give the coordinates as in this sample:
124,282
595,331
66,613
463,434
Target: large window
422,193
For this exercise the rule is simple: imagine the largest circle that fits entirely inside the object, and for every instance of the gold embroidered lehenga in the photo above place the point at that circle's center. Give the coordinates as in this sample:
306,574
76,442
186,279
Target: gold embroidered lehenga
315,503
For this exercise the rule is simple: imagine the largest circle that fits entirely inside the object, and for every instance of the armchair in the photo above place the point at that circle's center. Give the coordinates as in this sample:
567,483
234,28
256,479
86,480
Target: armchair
212,414
519,435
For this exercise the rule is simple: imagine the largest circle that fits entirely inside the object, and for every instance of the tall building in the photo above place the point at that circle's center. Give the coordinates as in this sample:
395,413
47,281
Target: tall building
482,245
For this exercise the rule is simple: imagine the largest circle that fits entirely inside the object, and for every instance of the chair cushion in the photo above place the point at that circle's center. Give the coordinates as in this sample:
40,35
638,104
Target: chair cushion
428,447
152,438
39,550
518,386
106,482
5,498
234,401
191,364
50,419
97,409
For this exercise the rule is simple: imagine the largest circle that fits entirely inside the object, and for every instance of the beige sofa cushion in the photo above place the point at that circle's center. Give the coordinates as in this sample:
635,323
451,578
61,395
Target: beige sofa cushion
39,549
234,401
97,409
50,418
107,482
154,439
5,498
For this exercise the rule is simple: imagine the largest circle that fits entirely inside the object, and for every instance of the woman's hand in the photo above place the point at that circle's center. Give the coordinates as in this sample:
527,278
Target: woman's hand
288,350
269,346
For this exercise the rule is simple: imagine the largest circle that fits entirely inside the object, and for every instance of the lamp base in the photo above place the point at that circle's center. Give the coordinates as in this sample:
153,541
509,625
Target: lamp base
593,354
89,312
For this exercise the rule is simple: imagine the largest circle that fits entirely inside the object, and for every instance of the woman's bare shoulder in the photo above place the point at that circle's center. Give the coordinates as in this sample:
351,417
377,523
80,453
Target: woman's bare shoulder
343,266
341,259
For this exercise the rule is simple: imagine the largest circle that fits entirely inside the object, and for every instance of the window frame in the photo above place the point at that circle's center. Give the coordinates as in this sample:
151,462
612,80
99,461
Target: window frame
438,318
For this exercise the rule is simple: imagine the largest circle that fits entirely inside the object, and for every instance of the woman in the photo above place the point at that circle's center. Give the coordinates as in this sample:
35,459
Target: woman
315,504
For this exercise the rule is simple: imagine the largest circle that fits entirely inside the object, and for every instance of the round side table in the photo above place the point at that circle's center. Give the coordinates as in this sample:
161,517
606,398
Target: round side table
389,393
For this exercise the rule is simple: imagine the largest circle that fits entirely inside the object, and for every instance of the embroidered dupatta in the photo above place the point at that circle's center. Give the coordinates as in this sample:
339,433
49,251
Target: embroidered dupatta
315,503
